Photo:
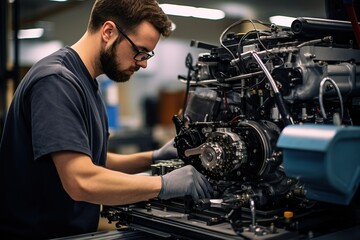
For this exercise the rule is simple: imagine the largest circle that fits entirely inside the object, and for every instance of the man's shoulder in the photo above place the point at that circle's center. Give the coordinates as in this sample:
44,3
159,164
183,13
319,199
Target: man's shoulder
60,64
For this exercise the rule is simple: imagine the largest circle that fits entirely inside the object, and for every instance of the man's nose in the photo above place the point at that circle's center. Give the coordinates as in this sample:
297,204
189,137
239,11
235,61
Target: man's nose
142,64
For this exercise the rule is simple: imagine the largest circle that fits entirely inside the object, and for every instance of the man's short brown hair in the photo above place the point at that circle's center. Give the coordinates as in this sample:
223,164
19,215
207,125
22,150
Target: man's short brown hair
128,14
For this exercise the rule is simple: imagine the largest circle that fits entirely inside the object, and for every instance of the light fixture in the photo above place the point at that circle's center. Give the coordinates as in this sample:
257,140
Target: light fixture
30,33
173,26
190,11
283,21
237,10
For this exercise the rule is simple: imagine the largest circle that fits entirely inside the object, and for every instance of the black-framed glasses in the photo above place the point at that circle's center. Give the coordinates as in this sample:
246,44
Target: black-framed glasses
139,54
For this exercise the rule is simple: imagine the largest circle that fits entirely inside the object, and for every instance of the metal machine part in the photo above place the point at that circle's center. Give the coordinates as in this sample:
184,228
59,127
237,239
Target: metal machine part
243,98
164,167
232,151
221,147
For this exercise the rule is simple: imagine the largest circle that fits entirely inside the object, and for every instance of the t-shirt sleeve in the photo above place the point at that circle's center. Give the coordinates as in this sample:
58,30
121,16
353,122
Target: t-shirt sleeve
58,121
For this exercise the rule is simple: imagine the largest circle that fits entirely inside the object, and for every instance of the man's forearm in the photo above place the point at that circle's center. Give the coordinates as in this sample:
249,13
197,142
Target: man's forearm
131,163
84,181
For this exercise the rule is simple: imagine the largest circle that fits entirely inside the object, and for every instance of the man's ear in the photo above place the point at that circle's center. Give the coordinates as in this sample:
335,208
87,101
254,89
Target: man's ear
108,31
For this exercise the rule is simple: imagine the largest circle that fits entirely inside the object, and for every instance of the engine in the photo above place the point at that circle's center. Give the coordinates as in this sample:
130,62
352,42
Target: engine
243,94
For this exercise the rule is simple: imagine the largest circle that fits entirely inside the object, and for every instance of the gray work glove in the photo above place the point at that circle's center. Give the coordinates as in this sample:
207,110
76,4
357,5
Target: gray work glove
166,152
185,181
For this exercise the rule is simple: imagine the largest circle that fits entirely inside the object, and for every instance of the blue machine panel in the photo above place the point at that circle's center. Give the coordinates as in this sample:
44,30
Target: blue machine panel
326,158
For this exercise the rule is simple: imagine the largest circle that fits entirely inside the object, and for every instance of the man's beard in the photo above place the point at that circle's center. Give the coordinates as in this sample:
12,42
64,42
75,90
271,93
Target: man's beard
110,67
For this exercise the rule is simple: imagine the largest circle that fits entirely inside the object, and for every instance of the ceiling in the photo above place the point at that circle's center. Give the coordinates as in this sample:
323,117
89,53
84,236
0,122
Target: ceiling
36,9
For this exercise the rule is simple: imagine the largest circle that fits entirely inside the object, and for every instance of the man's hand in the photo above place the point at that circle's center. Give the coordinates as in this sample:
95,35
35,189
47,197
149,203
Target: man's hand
166,152
185,181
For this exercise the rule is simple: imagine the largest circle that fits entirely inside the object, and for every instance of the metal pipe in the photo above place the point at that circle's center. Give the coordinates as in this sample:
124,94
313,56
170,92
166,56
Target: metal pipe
16,22
253,215
278,97
3,59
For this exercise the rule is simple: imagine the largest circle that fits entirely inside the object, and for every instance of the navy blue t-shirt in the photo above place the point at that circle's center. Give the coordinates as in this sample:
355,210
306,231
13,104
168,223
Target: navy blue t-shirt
57,107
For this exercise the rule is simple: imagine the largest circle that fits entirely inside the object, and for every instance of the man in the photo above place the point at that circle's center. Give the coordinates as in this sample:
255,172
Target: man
55,171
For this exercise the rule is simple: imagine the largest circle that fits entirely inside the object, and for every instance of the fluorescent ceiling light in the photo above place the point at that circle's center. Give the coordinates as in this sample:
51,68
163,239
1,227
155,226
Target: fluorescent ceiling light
190,11
283,21
237,10
173,26
30,33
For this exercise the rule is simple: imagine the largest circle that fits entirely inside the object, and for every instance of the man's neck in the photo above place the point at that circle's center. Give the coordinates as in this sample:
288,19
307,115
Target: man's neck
88,48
